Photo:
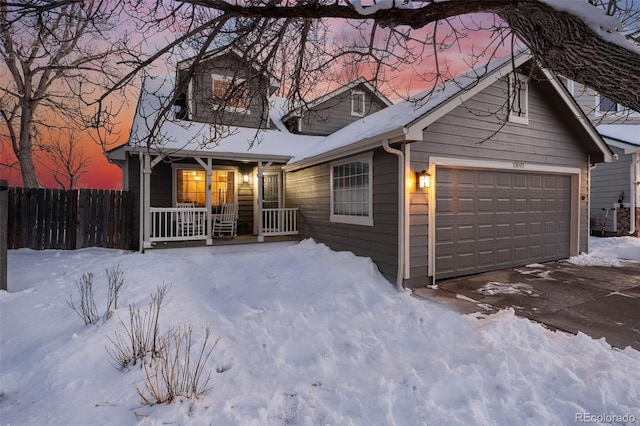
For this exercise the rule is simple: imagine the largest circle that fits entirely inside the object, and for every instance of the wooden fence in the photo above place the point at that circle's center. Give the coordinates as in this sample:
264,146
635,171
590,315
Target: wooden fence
69,219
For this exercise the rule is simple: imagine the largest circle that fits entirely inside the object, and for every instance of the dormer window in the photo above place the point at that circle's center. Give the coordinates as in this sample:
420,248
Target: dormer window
357,103
518,99
229,93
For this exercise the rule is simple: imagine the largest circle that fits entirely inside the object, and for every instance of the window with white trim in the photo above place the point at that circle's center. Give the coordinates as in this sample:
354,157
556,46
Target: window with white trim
191,187
605,105
357,103
230,93
352,191
518,99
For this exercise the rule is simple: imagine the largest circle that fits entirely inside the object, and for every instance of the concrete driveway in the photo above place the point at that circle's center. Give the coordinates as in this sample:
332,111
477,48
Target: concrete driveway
597,301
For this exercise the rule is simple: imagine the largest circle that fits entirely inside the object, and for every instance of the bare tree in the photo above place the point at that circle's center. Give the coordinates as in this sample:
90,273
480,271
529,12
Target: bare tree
55,58
302,42
65,158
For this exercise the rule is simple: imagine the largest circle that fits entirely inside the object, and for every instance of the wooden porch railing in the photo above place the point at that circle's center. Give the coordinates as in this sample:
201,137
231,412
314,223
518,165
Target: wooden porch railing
178,223
280,222
190,223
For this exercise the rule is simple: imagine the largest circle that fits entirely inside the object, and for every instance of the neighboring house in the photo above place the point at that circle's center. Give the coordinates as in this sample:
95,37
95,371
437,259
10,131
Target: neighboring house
483,174
615,186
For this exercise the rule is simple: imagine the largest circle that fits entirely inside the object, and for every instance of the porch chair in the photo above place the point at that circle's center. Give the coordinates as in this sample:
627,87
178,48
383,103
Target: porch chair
187,221
227,221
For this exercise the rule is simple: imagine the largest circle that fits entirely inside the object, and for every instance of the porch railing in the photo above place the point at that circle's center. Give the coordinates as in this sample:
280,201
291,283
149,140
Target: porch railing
178,223
190,223
280,221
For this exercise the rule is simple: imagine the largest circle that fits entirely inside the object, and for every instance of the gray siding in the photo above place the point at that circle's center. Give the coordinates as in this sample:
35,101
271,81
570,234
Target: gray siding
203,93
335,113
308,189
245,200
608,181
586,98
474,131
133,165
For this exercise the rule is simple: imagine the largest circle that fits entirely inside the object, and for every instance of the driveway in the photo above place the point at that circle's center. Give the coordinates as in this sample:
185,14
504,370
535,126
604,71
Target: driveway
597,301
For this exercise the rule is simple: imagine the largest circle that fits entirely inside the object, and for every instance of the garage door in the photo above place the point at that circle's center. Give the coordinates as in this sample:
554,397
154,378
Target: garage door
489,219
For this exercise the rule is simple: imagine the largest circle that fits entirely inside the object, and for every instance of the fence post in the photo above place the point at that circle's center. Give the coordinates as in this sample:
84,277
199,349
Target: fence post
4,222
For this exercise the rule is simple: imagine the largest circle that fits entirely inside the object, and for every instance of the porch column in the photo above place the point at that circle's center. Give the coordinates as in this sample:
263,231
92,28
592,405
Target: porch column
261,168
146,207
260,197
208,166
148,165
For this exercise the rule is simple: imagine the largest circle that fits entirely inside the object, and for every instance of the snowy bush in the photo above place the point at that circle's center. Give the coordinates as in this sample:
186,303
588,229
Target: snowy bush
141,338
86,309
178,370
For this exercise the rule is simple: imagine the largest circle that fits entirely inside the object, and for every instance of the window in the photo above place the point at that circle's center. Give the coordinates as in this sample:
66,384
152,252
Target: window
351,191
191,187
568,84
605,105
357,103
518,99
184,107
230,93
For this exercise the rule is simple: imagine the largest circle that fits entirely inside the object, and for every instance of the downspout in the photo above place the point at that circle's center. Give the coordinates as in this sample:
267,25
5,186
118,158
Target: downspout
401,208
590,183
635,181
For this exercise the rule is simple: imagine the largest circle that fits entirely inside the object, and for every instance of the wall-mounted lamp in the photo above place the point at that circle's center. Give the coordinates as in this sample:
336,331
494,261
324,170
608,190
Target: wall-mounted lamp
245,178
424,179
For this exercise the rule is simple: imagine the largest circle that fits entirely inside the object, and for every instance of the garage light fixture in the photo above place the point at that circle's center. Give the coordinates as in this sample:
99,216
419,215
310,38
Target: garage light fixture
424,179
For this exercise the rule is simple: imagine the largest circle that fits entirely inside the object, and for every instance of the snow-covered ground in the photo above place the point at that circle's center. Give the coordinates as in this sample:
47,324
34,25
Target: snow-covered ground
307,336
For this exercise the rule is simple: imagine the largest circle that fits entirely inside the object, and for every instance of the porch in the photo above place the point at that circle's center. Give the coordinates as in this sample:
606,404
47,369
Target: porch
169,226
188,199
227,245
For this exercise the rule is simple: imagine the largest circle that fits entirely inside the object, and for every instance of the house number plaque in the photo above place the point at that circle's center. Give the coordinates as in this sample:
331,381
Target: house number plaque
518,165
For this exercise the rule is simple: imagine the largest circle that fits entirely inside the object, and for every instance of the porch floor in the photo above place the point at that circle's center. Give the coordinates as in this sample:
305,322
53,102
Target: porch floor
220,242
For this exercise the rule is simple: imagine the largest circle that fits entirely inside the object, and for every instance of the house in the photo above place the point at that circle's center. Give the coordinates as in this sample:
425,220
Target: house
483,173
241,163
615,186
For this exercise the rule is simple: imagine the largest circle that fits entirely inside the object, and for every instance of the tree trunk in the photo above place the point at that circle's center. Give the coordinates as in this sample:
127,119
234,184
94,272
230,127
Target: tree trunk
25,153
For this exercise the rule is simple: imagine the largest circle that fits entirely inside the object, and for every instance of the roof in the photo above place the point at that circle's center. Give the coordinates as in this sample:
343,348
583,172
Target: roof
402,122
623,136
338,92
185,137
405,121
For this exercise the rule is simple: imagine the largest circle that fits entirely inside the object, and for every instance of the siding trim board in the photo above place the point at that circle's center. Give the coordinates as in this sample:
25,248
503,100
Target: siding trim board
496,165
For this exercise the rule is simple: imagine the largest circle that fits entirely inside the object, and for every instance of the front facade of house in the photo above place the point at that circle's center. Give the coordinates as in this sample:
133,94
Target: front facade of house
507,160
504,193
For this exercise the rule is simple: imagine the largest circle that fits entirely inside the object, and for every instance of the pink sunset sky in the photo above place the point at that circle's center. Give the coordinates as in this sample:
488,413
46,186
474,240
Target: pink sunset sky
103,175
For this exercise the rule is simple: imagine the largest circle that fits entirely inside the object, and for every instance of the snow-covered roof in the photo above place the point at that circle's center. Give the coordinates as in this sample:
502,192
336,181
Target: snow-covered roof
629,133
188,136
403,121
623,136
394,120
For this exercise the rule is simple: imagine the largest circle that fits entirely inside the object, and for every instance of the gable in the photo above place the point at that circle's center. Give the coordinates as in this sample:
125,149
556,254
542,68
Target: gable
336,112
480,129
405,121
218,76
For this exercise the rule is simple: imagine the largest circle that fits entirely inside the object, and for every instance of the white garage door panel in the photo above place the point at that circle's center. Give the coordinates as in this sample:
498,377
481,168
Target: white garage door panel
487,219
